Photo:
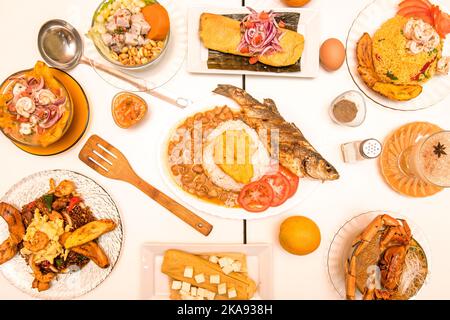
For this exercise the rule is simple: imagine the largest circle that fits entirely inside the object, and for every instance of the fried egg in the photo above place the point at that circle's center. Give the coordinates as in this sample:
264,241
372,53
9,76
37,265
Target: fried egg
233,155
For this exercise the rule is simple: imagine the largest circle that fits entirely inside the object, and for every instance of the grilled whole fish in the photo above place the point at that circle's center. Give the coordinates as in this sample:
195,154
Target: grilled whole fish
295,152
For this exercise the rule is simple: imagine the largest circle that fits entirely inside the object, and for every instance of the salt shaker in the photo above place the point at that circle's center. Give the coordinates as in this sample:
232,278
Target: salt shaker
360,150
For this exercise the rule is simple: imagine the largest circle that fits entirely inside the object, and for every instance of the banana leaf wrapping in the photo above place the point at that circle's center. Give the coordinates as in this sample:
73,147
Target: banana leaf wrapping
227,61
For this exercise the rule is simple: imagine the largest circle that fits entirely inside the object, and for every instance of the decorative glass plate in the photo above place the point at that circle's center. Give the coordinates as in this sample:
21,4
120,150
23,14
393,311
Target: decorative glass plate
75,284
369,20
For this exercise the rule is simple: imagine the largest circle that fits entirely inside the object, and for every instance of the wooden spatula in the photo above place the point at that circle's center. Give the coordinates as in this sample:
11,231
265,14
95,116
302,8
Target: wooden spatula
111,163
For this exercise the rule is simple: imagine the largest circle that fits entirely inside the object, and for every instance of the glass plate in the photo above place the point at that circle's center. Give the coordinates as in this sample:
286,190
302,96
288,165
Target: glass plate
158,73
341,245
369,20
70,285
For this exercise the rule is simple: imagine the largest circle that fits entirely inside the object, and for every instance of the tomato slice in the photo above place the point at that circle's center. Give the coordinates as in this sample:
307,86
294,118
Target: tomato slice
256,196
292,178
414,3
280,186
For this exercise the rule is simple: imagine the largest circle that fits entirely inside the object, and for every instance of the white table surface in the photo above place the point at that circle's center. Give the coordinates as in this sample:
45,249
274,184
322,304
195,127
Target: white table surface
303,101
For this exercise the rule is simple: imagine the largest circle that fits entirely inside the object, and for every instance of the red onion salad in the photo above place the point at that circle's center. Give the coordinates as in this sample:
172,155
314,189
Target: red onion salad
261,34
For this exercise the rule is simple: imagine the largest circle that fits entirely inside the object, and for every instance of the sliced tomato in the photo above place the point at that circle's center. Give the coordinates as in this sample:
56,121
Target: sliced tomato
280,186
292,178
256,196
411,11
421,15
253,60
245,50
414,3
264,15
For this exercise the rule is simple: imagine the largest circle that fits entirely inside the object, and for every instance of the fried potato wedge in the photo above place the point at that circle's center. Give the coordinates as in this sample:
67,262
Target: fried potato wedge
364,51
89,232
397,92
368,76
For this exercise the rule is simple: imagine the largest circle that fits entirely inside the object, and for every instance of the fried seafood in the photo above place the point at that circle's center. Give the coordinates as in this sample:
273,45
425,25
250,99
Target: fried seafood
384,246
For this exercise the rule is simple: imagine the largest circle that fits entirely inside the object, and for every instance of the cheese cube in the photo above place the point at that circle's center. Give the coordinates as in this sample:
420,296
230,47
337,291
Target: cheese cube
210,295
236,266
176,285
188,272
184,293
227,269
201,293
225,261
213,259
194,291
186,286
222,288
200,278
214,279
232,293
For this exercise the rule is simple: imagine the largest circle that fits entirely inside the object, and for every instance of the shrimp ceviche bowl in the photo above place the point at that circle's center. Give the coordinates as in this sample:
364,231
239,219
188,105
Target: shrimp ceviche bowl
35,107
131,34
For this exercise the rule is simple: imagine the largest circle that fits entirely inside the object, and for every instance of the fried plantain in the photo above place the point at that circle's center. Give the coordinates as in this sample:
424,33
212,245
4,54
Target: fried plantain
90,250
89,232
397,92
368,76
364,51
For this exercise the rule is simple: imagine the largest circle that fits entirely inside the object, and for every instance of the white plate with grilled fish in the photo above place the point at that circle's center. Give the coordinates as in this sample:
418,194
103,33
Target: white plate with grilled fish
255,262
216,43
235,157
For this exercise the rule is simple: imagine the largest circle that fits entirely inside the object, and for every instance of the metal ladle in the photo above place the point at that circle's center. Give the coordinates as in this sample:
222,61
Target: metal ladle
61,46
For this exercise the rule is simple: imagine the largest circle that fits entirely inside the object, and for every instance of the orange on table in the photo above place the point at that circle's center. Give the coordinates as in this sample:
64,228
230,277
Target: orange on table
299,235
158,19
295,3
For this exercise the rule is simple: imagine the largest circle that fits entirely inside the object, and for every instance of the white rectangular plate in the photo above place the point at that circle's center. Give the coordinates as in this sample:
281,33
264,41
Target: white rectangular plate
309,26
155,284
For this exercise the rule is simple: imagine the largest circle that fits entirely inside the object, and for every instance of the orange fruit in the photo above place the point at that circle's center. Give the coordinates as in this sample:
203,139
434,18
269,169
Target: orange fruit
299,235
158,19
295,3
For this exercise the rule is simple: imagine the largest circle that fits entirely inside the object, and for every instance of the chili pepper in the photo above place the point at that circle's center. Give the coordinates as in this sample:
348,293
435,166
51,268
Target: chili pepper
73,202
422,71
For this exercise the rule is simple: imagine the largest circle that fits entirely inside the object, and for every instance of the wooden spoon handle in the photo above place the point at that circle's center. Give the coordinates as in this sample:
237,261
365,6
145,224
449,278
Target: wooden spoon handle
177,209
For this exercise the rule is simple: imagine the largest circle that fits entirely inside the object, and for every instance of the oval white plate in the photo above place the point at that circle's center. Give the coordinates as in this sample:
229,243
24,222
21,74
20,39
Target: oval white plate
71,285
369,20
306,186
341,245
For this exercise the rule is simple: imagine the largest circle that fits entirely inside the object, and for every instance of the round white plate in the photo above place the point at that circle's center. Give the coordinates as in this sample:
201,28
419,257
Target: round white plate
163,70
341,247
369,20
306,186
71,285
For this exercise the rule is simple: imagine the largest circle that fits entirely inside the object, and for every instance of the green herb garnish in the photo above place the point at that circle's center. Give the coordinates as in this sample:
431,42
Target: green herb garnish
391,76
48,201
147,2
58,262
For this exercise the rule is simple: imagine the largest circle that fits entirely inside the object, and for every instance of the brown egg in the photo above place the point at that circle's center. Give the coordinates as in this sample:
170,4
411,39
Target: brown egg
332,54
